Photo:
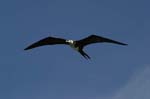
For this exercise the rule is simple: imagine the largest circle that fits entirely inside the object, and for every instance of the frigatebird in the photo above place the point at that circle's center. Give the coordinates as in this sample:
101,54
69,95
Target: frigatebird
78,45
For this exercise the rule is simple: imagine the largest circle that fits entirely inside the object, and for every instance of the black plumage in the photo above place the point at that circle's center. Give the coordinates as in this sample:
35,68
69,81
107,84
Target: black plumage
77,45
47,41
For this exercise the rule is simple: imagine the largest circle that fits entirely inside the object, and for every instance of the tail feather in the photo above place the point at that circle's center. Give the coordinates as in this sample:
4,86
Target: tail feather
84,54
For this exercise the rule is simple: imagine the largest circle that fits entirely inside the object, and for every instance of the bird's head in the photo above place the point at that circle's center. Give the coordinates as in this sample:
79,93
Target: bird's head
70,41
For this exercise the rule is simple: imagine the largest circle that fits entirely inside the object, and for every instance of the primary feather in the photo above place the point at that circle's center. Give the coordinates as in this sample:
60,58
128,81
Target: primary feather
96,39
47,41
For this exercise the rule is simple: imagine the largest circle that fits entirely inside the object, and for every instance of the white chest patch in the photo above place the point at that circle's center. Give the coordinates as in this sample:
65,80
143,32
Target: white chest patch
72,44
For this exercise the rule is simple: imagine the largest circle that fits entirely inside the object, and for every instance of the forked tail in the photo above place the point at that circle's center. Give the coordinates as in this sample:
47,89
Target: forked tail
84,54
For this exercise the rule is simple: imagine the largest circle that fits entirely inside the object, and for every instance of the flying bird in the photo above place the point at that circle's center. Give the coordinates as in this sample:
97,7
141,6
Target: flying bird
78,45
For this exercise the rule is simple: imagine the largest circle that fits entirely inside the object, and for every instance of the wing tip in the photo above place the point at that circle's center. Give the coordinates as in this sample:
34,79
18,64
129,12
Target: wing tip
27,48
124,44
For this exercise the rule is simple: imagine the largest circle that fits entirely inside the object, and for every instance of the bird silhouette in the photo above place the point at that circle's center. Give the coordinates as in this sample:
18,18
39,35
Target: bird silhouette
78,45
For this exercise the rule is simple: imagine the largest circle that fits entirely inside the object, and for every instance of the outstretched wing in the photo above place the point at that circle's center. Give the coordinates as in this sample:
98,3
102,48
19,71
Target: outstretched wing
47,41
96,39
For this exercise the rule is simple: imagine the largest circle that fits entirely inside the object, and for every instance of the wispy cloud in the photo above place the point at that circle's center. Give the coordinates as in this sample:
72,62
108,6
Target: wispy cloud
138,86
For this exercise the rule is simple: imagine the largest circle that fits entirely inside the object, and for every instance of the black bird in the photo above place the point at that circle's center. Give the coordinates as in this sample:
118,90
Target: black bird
78,45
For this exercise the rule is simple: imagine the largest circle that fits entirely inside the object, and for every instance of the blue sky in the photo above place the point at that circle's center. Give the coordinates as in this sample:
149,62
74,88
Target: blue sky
58,72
